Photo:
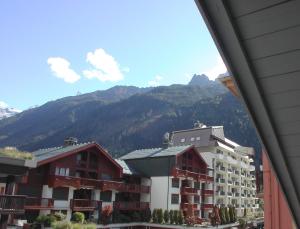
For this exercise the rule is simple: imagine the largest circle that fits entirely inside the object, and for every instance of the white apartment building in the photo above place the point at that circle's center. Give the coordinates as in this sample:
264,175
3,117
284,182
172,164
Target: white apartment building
233,169
180,178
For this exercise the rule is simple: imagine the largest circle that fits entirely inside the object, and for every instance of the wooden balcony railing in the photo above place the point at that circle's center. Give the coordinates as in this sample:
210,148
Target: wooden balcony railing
131,205
188,191
12,204
104,185
197,176
84,204
208,192
185,206
207,206
35,203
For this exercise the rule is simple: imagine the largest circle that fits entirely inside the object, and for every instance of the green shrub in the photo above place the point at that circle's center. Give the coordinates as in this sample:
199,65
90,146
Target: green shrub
227,216
242,223
46,220
175,216
171,216
78,217
160,216
59,216
166,216
62,225
154,216
146,215
180,217
90,226
136,216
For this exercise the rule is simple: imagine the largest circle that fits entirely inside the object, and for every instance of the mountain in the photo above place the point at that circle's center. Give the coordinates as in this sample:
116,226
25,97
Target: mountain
201,80
127,118
6,112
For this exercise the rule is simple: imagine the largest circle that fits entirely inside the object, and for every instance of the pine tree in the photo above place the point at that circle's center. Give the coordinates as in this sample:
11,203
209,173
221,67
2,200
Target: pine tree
171,216
166,216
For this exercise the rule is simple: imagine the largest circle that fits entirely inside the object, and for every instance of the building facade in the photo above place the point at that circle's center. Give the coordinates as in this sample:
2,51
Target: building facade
233,169
80,177
180,178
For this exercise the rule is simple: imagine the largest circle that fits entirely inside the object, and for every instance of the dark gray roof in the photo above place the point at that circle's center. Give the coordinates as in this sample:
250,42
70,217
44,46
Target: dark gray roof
197,136
126,168
44,154
155,152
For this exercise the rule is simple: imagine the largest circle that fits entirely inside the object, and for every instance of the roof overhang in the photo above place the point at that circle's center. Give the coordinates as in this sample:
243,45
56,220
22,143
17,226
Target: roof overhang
259,40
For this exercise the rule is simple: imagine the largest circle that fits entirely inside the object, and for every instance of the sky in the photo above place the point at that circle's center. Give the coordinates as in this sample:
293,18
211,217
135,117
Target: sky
52,49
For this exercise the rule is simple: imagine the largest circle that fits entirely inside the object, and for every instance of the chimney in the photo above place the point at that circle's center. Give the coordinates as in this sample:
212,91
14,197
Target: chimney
70,141
199,124
166,140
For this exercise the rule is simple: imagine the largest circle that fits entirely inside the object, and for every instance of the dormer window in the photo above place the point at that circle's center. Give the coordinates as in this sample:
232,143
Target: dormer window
192,139
182,140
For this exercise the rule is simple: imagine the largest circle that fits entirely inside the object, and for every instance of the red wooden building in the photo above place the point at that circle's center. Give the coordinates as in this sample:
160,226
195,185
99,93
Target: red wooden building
79,177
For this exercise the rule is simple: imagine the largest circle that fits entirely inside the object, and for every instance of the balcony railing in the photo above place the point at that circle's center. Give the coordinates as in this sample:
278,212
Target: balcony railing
84,204
131,205
185,206
188,191
221,180
79,182
12,204
207,192
197,176
207,206
35,203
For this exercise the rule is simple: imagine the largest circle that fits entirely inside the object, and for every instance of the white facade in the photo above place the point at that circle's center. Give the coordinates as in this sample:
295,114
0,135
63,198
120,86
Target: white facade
234,178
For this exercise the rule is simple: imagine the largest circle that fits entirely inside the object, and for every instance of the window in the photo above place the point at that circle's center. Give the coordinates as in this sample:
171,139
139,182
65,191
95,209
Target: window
182,140
105,176
198,138
67,171
62,171
175,182
60,193
56,171
196,199
192,139
175,199
197,185
106,196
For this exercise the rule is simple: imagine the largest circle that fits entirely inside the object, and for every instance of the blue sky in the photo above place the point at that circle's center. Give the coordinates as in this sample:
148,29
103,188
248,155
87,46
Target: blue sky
52,49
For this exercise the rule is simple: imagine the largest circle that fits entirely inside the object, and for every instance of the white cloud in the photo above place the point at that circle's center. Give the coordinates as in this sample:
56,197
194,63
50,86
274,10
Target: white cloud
3,104
216,70
61,69
156,81
106,68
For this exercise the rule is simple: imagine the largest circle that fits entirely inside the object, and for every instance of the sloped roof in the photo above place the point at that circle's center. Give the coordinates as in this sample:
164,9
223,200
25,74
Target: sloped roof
155,152
126,168
44,154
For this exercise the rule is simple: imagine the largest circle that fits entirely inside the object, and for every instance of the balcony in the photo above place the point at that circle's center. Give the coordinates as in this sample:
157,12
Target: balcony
236,172
229,193
221,169
229,170
84,204
185,206
188,191
207,206
35,203
131,205
12,204
207,192
229,182
196,176
79,182
221,180
236,183
236,194
221,193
